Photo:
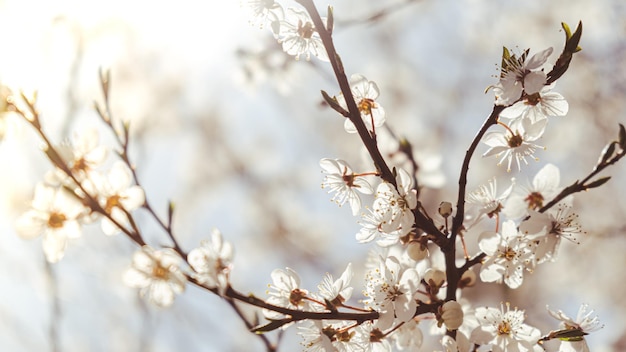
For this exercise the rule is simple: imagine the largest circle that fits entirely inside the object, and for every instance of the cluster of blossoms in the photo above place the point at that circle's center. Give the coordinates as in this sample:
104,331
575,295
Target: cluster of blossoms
76,193
414,282
524,90
160,274
292,27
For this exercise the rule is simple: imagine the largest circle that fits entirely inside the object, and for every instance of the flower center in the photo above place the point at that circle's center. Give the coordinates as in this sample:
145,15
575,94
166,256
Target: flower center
509,254
366,105
515,140
112,202
533,99
504,328
296,296
330,332
305,30
80,165
376,335
56,220
160,272
534,200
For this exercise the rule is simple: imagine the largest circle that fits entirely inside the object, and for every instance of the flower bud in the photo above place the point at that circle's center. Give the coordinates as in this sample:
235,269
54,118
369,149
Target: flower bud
417,251
445,209
452,315
435,277
468,279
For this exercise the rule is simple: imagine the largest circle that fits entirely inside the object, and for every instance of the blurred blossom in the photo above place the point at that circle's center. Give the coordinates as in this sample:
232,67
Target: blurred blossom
212,261
157,275
298,35
56,214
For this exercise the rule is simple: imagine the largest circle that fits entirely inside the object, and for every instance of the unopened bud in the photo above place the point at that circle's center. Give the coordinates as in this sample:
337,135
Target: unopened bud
434,277
445,209
468,279
417,251
452,315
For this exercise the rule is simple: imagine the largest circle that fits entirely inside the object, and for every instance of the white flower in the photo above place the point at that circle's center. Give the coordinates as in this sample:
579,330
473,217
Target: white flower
298,35
408,337
341,180
521,76
508,254
315,336
82,156
397,204
546,230
263,12
365,94
339,291
117,196
584,323
56,214
461,344
390,289
157,275
324,336
545,186
212,261
538,106
287,292
504,330
485,200
392,214
516,142
373,337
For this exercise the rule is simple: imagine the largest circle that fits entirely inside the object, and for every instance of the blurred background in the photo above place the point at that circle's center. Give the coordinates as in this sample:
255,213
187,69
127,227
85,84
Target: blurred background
232,130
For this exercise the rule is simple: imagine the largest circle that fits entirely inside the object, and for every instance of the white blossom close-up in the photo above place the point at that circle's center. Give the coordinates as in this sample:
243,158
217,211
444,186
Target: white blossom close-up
516,142
519,75
365,93
343,182
504,330
544,187
212,261
157,275
508,255
390,289
298,35
576,329
56,214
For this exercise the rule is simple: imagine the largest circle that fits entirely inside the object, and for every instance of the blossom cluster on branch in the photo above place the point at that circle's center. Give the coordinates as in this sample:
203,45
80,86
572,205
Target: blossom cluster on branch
415,280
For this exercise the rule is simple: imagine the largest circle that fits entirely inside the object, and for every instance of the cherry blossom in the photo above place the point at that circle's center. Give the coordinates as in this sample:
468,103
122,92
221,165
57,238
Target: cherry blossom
322,336
408,337
157,275
544,187
298,35
485,201
504,330
263,12
546,230
212,261
516,142
508,254
337,291
538,106
117,195
584,324
286,292
341,180
365,93
55,213
389,289
520,76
